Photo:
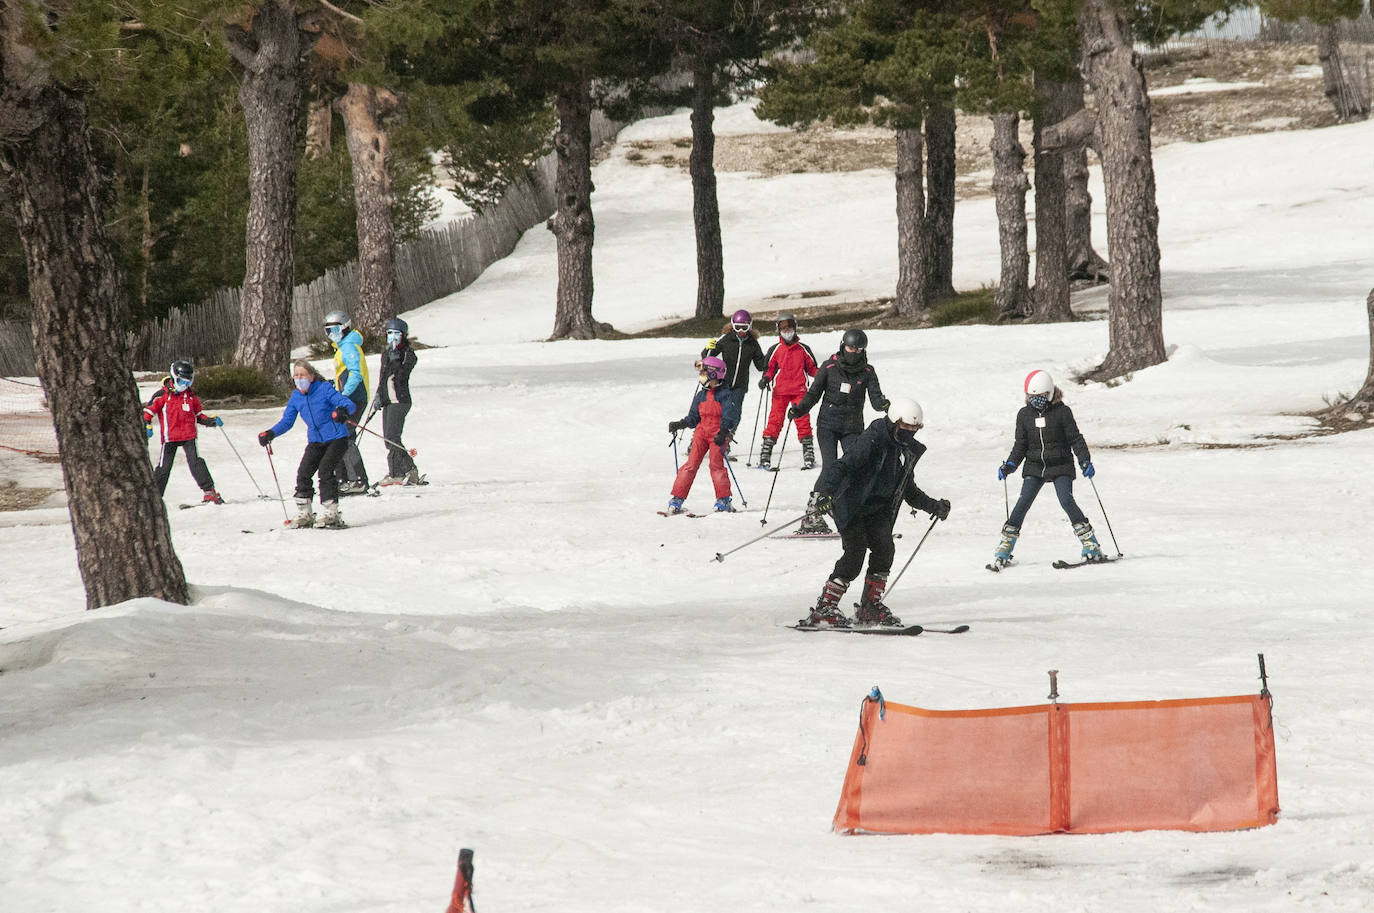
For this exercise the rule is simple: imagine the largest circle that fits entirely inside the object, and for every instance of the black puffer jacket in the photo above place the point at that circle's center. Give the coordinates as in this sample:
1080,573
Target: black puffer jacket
1048,442
840,389
393,385
738,354
874,476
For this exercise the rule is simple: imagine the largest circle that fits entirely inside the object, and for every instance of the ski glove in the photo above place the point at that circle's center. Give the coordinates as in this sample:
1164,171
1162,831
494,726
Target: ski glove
675,427
148,427
765,383
341,415
266,437
1088,471
722,438
210,421
882,407
1005,470
824,502
940,510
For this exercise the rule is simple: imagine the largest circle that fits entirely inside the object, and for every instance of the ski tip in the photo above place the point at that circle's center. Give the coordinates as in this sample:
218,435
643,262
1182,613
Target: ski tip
958,630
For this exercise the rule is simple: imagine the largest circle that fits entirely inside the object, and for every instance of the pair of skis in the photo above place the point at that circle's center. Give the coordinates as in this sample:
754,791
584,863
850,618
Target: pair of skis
1059,565
886,630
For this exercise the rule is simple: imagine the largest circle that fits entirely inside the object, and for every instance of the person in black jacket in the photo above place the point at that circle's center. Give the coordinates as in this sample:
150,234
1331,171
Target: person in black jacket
393,398
865,488
1047,439
840,386
738,346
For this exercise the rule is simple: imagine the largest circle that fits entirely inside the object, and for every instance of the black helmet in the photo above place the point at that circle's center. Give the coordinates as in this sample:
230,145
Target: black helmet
399,325
856,338
183,374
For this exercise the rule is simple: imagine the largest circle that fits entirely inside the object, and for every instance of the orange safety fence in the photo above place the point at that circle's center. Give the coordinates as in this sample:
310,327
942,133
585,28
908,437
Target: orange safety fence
1203,764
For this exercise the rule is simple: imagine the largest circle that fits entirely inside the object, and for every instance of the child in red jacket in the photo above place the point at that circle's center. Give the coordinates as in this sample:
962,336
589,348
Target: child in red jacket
178,411
713,415
791,364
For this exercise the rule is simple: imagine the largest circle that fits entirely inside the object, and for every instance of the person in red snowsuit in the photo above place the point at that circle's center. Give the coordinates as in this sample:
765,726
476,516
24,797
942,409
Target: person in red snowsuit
791,364
714,414
178,412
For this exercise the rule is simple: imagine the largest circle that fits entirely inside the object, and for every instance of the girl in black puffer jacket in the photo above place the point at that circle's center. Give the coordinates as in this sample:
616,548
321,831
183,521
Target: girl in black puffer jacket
1047,439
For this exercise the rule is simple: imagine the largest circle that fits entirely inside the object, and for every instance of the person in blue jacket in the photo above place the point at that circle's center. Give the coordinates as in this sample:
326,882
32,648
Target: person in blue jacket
324,410
350,379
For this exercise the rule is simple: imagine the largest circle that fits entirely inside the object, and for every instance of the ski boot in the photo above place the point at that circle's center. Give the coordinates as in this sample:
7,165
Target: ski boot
813,524
723,505
329,516
1002,557
353,487
391,480
766,453
675,505
827,609
808,452
413,477
871,609
212,497
305,517
1091,550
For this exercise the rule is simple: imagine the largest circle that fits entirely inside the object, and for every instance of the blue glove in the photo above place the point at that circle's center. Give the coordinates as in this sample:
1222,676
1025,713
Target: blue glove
148,427
219,422
1005,470
1088,471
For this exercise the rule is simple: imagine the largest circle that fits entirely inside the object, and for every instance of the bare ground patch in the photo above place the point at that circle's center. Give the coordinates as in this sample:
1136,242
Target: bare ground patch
14,497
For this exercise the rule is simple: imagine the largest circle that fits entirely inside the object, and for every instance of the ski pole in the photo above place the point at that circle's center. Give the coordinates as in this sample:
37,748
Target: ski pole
261,494
1105,517
777,468
909,560
726,454
749,460
720,556
280,497
390,443
1006,498
673,444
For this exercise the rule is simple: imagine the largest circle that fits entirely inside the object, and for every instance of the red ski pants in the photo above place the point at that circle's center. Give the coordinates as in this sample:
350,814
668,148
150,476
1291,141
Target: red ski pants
702,444
777,414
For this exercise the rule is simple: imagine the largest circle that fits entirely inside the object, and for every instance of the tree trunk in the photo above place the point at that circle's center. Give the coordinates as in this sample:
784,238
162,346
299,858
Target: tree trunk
1083,261
1342,87
1364,400
705,207
913,242
319,127
145,202
363,108
1135,304
123,544
1009,185
940,184
572,223
270,93
1051,271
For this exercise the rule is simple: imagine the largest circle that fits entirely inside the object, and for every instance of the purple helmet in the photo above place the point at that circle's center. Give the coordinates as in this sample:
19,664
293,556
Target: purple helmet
741,320
714,368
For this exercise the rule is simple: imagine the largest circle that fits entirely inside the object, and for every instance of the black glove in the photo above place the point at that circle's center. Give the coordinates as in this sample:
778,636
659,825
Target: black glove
794,413
882,406
722,438
674,427
341,415
940,510
824,502
764,383
1005,469
266,437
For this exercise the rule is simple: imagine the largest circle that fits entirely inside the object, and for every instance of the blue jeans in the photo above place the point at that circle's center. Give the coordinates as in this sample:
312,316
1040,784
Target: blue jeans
1030,487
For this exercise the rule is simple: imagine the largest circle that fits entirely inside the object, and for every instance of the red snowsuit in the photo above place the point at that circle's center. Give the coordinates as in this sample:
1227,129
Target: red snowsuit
177,413
709,411
790,364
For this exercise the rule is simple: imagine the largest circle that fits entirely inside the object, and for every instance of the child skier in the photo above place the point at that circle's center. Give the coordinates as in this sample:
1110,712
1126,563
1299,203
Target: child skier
738,346
325,411
1047,438
840,385
393,398
350,379
714,414
790,364
865,488
178,412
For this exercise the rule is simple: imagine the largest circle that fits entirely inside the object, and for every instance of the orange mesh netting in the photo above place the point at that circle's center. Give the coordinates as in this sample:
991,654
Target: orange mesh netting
1204,764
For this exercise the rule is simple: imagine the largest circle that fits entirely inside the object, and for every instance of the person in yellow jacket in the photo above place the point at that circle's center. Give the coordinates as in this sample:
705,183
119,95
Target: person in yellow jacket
350,379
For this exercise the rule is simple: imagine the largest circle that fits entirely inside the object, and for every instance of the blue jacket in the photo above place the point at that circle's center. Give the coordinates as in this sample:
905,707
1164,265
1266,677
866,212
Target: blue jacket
350,367
729,408
315,407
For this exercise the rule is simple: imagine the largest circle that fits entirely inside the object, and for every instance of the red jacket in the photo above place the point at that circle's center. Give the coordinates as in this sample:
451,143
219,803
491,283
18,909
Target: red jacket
789,365
177,413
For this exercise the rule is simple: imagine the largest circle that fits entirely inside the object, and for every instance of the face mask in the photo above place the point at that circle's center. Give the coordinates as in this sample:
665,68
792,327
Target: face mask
181,384
303,384
851,358
906,436
334,332
789,335
393,339
1039,403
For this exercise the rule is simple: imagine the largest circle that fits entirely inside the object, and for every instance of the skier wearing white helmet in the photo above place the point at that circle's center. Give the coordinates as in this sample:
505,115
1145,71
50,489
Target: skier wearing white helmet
1047,439
865,489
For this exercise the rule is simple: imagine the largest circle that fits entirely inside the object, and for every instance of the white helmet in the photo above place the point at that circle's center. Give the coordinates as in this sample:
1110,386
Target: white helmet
1039,383
901,409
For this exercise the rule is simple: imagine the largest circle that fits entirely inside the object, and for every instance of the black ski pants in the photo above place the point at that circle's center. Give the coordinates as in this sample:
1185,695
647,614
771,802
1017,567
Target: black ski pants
199,471
832,444
323,458
398,461
869,532
1030,487
351,468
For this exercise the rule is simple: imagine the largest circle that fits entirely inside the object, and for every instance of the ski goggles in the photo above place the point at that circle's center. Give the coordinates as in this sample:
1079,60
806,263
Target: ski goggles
180,384
393,336
334,332
742,328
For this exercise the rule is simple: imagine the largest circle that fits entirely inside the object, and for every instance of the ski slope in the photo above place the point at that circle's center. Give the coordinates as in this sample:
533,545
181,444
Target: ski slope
525,659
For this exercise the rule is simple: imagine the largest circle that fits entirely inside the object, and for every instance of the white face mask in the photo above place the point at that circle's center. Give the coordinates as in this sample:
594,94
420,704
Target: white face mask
303,384
789,335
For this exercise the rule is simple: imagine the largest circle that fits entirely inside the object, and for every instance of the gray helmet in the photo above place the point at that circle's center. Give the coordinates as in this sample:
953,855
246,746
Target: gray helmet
399,325
337,318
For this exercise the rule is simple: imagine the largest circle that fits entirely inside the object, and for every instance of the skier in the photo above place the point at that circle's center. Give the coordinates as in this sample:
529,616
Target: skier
865,489
840,385
790,363
1047,438
738,346
178,410
324,410
714,414
350,379
393,398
